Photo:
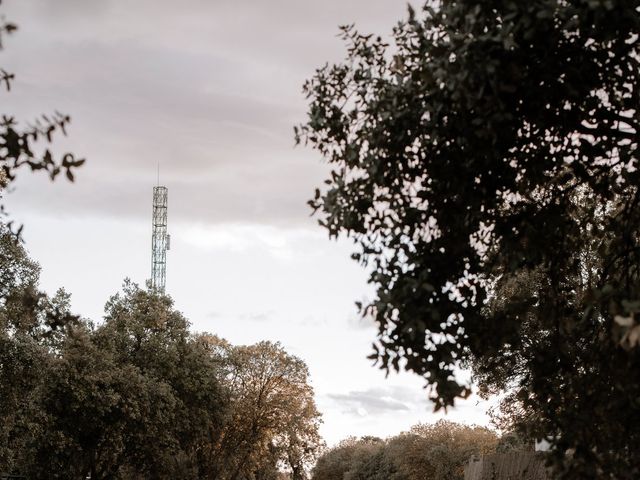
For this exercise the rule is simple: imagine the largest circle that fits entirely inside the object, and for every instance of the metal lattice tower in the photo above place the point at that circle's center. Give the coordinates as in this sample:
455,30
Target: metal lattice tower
159,239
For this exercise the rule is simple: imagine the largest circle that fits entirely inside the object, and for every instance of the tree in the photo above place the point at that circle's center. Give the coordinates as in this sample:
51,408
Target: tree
334,463
23,370
494,143
94,412
354,459
437,452
31,327
512,442
444,448
370,463
184,402
274,419
17,271
137,396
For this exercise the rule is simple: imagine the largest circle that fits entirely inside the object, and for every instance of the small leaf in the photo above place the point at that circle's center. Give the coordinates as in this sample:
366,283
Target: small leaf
633,338
624,321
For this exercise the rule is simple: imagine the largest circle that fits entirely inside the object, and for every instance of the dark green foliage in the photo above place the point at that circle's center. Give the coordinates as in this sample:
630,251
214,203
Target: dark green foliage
137,396
486,165
31,326
17,271
91,406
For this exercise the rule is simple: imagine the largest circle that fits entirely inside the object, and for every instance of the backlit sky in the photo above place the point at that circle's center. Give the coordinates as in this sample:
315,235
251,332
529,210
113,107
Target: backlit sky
210,90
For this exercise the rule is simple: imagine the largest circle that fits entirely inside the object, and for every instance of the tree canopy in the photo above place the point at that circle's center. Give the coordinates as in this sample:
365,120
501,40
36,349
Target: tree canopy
485,162
273,420
436,452
140,396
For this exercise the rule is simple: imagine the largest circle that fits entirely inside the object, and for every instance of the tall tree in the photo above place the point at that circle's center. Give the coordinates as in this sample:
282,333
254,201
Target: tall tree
274,417
94,413
187,400
31,327
138,396
496,142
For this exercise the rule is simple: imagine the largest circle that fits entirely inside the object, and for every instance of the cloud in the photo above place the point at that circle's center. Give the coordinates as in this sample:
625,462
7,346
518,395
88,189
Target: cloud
280,243
378,401
210,90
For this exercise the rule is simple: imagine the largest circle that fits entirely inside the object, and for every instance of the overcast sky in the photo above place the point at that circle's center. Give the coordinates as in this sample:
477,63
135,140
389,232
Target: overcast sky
210,90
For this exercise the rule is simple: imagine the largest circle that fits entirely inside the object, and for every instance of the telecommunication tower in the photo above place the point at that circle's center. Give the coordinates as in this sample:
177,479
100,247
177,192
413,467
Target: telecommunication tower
160,241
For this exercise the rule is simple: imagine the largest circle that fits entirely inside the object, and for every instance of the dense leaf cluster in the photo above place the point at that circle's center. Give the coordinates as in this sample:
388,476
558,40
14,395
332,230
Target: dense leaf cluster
436,452
274,415
485,162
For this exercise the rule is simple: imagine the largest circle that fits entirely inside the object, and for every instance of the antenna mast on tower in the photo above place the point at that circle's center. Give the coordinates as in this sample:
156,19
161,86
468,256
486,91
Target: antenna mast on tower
159,240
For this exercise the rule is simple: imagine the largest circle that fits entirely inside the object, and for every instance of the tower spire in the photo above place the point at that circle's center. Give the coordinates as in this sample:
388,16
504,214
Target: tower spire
159,238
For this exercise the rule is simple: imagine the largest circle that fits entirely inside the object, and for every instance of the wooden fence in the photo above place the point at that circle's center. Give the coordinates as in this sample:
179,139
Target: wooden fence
507,466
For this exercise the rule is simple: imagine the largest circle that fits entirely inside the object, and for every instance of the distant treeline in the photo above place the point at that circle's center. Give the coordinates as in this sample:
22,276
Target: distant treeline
138,395
434,452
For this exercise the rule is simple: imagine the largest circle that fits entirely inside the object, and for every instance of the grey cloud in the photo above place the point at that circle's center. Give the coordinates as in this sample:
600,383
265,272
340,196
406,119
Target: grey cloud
214,200
377,401
210,90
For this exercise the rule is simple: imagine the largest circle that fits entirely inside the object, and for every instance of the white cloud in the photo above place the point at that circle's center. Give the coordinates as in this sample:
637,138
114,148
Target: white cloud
377,400
280,243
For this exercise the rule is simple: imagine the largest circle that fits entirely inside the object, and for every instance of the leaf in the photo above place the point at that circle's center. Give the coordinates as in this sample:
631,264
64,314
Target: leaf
633,338
624,321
